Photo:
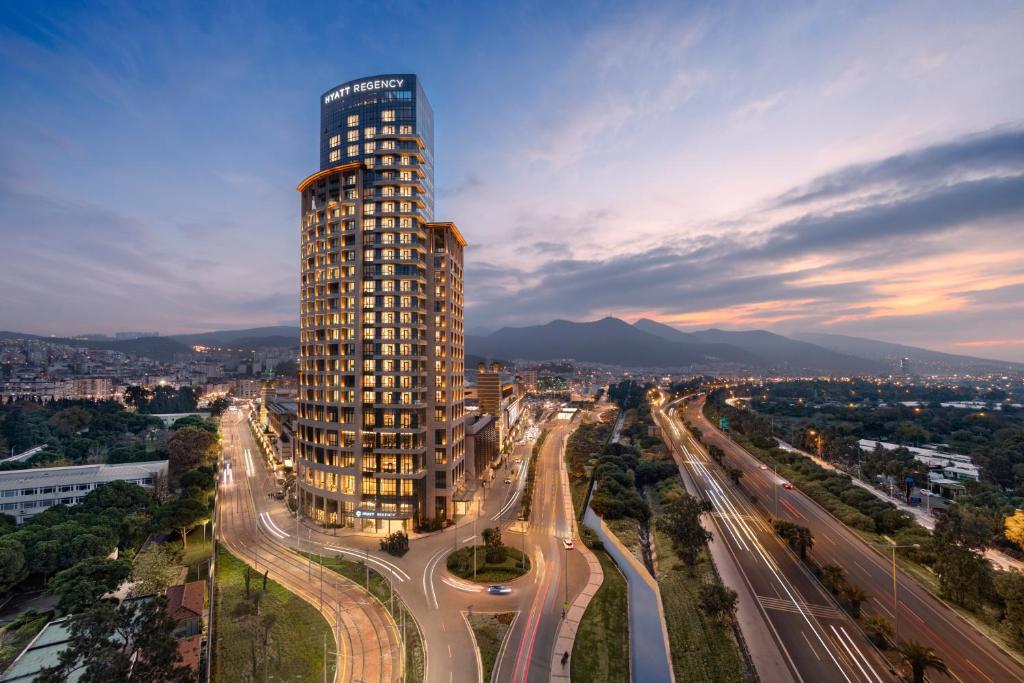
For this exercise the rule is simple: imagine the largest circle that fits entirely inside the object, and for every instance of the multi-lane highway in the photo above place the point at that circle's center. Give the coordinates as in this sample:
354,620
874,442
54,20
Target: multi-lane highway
969,655
818,641
367,641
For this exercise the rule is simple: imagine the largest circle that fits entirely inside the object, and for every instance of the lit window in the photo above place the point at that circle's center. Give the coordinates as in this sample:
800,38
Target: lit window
353,150
335,155
369,131
387,130
353,120
369,147
405,130
387,115
353,135
335,140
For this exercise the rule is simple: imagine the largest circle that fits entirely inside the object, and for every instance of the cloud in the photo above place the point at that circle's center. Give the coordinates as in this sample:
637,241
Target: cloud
943,248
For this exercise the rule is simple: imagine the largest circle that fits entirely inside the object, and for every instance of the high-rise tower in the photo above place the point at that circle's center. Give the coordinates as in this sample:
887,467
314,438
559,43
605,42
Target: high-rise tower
380,406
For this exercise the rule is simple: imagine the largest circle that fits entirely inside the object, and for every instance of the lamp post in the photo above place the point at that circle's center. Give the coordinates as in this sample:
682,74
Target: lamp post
895,602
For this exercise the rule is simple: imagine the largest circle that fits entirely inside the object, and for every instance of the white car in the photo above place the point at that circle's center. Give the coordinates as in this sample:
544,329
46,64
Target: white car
764,467
508,480
568,543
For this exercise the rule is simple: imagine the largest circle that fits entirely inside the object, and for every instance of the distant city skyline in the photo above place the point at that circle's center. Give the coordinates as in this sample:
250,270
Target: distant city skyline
854,169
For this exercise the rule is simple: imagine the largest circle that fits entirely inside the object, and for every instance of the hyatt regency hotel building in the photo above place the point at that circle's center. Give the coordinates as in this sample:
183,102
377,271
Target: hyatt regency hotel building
380,405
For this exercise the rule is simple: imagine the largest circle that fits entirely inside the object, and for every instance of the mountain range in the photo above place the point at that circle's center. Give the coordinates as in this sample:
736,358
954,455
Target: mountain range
612,341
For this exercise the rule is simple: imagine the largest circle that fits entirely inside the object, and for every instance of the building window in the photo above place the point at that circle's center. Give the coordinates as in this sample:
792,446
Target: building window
369,131
353,150
369,147
335,140
387,115
405,130
353,120
335,155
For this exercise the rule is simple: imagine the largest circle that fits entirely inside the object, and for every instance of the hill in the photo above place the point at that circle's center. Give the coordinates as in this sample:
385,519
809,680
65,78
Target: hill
610,341
774,350
158,348
277,335
921,359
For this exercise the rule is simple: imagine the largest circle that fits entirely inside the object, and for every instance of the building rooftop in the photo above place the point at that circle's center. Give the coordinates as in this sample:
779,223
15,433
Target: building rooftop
185,601
87,472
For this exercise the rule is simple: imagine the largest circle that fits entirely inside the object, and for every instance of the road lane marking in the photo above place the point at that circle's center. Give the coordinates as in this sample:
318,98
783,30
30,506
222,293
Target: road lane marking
393,569
809,646
859,653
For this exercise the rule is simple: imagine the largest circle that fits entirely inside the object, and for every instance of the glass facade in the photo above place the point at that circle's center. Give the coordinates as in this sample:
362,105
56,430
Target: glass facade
380,405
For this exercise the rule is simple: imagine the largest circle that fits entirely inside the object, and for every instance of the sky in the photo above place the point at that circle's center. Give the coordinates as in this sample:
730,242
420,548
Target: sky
841,167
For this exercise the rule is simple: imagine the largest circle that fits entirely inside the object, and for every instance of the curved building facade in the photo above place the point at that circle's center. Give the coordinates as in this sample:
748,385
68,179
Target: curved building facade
380,406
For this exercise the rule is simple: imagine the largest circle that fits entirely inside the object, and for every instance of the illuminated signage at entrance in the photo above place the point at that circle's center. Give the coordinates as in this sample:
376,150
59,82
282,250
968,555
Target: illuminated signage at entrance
363,86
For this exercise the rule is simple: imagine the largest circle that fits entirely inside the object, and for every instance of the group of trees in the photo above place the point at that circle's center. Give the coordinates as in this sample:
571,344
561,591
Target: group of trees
162,399
680,519
78,432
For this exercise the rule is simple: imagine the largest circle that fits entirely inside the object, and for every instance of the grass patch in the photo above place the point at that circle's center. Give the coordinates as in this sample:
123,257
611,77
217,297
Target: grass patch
515,565
601,651
17,634
195,556
380,588
295,635
702,649
582,446
627,531
490,631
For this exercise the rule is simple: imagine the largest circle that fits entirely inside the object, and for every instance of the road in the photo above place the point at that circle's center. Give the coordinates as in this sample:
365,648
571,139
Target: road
438,600
818,641
969,655
367,640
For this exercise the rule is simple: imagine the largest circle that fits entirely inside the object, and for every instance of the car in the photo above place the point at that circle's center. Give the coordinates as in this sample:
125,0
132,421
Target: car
764,467
517,460
568,543
787,485
508,480
278,494
499,589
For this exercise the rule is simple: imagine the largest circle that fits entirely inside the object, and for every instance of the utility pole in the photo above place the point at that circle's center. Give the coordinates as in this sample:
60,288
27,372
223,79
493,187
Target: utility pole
475,539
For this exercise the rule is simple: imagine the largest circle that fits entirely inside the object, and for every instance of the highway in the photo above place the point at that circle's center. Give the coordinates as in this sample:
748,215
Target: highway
817,640
969,655
366,638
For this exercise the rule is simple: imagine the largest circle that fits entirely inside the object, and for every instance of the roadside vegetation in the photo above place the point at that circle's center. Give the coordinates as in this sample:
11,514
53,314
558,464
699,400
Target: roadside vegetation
947,562
494,562
531,475
583,445
264,631
381,589
489,631
638,492
600,653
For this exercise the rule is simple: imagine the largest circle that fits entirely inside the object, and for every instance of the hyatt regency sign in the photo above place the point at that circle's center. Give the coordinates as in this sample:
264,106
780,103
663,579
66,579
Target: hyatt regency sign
363,86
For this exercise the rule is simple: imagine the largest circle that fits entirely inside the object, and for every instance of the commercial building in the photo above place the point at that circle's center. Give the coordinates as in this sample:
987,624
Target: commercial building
380,404
482,451
24,493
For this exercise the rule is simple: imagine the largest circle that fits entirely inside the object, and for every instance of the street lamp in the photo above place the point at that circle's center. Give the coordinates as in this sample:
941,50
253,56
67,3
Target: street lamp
895,603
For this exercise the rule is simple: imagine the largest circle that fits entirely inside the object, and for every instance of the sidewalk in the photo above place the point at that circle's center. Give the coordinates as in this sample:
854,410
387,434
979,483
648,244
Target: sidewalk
566,637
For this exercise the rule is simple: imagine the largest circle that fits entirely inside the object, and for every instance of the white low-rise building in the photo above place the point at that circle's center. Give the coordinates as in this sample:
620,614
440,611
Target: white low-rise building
24,493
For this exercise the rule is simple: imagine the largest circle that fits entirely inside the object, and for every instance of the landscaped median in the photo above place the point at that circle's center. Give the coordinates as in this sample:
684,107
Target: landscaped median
491,566
600,653
489,632
262,631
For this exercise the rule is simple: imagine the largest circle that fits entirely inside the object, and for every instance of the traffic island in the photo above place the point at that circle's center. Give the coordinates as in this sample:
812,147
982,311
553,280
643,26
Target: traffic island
492,566
489,633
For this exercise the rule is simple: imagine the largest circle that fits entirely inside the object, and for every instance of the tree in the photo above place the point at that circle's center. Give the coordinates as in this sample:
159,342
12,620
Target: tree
1010,587
800,538
180,515
879,629
854,596
83,583
496,552
833,576
680,519
735,473
133,641
919,658
13,568
190,447
965,577
718,601
1013,528
155,569
971,528
137,397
